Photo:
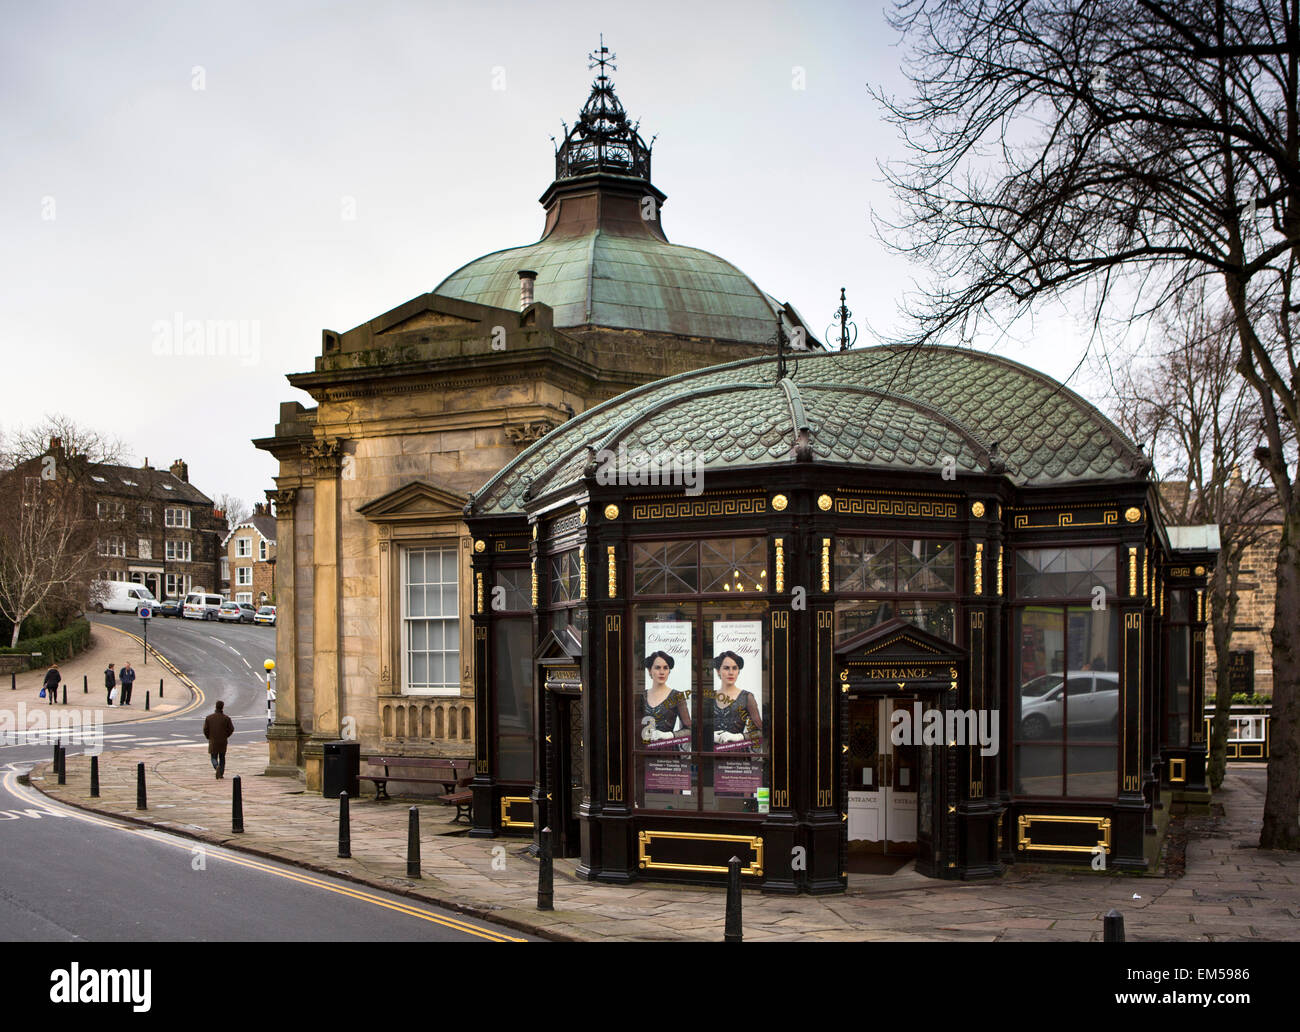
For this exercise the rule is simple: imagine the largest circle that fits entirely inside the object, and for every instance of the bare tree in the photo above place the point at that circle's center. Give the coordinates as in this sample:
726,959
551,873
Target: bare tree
47,546
81,444
236,510
1199,419
1132,150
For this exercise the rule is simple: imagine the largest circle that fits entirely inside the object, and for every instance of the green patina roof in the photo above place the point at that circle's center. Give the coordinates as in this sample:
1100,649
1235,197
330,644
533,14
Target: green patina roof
626,282
885,407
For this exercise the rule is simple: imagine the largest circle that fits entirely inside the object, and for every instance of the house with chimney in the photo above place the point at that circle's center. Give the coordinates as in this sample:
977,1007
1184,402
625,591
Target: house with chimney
248,552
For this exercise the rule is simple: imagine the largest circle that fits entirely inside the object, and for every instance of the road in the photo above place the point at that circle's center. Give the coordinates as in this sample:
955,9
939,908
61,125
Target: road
67,875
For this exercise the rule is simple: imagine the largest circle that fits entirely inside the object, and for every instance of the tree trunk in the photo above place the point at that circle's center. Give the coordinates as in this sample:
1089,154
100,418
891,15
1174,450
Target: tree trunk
1223,614
1281,829
18,626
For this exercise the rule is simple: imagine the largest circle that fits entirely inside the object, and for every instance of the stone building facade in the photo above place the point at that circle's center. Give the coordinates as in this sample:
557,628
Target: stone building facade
418,407
1253,629
249,549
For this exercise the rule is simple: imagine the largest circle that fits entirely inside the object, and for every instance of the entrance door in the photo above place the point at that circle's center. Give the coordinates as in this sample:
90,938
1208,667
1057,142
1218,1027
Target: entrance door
884,780
569,768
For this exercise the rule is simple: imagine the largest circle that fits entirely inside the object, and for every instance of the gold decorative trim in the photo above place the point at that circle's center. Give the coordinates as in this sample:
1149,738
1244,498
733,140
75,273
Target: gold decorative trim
1177,771
1146,572
534,583
1200,603
647,862
1102,824
1133,571
1000,550
979,568
582,515
1133,514
1109,518
480,545
506,820
826,564
977,510
899,507
779,502
824,502
1180,571
683,508
613,571
582,570
611,512
780,565
534,531
1200,571
478,594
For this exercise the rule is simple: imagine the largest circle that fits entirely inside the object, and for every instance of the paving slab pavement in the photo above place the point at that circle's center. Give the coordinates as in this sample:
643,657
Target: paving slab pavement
1231,890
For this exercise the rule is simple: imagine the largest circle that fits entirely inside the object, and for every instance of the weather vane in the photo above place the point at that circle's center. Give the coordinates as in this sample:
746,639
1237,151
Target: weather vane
602,57
848,329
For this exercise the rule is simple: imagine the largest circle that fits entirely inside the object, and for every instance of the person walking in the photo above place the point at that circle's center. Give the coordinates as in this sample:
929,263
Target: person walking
127,677
51,683
217,729
110,682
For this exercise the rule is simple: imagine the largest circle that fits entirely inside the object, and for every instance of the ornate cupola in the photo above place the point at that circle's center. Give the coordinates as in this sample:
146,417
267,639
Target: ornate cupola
602,169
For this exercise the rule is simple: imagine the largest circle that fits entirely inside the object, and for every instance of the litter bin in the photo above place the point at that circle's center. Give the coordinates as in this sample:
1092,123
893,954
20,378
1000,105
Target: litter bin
342,770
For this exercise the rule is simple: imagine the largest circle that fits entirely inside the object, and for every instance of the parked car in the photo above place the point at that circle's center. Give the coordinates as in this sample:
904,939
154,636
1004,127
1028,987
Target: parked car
168,607
201,606
236,612
1091,699
122,596
265,615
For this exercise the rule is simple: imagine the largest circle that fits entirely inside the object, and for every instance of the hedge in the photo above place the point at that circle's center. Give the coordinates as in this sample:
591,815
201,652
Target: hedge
56,647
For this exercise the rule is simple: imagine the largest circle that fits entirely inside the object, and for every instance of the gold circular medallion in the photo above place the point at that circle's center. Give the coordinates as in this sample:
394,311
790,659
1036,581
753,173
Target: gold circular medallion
611,512
977,510
779,502
824,502
479,546
1133,514
582,515
1200,571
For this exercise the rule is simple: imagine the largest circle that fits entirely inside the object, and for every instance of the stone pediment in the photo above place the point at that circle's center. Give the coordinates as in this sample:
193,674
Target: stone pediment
425,321
416,501
897,641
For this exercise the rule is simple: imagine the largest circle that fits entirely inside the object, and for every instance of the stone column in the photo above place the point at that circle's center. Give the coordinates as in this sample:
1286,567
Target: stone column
325,456
284,737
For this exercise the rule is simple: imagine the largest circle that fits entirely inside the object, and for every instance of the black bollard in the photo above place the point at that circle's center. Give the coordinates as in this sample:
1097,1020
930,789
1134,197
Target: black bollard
141,801
61,766
236,807
413,844
146,706
58,744
85,684
1113,923
65,695
732,932
94,777
345,828
546,874
13,681
160,694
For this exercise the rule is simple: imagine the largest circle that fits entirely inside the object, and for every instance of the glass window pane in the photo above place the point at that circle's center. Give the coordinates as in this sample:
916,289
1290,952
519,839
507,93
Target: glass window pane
415,601
733,564
449,566
451,668
419,636
864,564
450,595
419,670
414,566
665,568
1040,701
927,565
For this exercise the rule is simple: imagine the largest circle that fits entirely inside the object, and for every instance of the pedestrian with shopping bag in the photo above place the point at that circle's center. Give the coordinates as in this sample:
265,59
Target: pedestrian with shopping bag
110,683
50,687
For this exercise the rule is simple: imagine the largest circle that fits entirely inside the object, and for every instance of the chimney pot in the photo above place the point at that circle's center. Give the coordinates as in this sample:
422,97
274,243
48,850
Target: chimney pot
527,278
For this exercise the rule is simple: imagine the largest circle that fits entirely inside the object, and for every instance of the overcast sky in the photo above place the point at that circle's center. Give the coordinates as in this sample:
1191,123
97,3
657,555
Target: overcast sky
298,166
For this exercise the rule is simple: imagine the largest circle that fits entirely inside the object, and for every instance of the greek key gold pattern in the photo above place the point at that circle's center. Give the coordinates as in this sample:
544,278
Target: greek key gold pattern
780,565
826,564
896,507
682,508
1180,571
613,571
1109,518
979,568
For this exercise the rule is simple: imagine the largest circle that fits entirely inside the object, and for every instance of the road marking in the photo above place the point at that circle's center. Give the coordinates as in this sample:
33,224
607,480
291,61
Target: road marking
406,909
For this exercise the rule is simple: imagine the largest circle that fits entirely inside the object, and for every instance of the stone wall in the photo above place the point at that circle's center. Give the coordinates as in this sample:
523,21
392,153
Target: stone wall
1254,625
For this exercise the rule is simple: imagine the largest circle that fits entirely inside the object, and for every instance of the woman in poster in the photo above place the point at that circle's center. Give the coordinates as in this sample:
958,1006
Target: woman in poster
664,706
736,715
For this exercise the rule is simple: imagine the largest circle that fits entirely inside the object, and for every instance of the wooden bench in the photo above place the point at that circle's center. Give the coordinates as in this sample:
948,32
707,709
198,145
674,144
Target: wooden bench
450,774
463,800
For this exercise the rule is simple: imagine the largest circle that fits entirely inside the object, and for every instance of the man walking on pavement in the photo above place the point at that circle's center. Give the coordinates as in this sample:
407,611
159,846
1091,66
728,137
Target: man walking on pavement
217,729
51,683
128,679
110,682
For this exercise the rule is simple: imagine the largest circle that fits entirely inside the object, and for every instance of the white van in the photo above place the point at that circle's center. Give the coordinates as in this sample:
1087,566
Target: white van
122,596
201,606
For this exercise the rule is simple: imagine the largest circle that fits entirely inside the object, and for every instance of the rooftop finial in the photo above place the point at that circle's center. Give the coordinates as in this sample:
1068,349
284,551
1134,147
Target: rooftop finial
602,57
603,140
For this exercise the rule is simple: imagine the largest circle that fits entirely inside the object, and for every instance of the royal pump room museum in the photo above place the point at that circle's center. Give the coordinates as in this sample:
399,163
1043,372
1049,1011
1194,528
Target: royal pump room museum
891,607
